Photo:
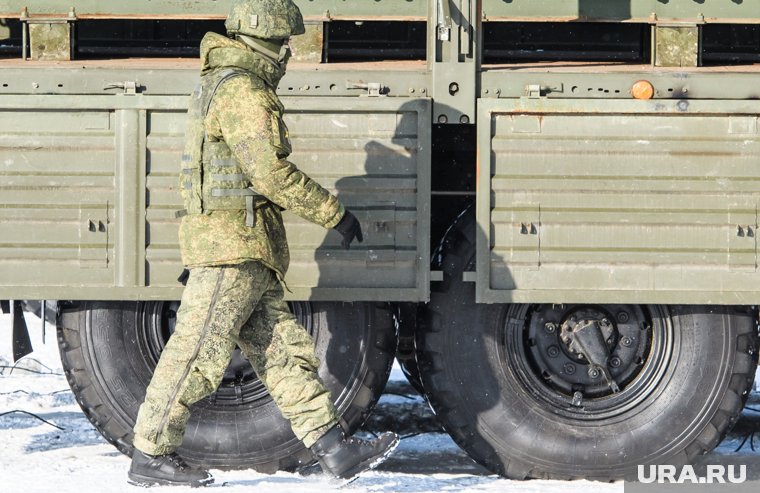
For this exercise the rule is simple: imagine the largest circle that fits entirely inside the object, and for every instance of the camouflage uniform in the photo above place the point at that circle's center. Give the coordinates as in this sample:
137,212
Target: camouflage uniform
236,250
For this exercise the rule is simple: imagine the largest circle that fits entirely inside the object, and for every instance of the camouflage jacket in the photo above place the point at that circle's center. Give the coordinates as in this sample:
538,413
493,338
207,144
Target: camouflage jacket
240,115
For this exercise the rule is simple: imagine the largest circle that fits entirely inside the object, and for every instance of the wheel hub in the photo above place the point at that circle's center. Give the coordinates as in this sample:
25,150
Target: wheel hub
574,324
586,352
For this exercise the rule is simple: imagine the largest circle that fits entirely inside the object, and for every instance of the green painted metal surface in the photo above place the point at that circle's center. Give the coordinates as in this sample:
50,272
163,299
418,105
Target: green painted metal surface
624,201
565,83
154,80
623,10
605,10
584,194
88,196
614,83
204,9
454,60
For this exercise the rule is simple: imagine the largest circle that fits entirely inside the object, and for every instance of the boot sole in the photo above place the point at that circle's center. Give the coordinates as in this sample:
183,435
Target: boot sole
353,474
146,482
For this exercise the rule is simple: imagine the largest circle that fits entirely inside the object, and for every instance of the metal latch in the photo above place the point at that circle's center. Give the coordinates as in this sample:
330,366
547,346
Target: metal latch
533,91
444,21
129,86
373,89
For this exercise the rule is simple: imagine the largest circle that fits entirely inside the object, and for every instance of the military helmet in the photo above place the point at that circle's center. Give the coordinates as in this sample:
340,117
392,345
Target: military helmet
267,19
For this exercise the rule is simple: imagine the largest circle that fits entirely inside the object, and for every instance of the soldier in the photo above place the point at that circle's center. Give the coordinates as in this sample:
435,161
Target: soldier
234,182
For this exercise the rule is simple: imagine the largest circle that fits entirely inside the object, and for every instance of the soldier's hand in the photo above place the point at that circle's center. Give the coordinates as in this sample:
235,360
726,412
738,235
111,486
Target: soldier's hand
350,228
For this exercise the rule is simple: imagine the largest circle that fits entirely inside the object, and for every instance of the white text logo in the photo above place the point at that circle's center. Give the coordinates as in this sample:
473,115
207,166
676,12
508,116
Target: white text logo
671,474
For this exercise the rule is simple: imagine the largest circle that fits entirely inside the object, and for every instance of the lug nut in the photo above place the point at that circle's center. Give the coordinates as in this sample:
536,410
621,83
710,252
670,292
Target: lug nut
605,322
550,327
553,351
615,362
569,368
626,341
593,372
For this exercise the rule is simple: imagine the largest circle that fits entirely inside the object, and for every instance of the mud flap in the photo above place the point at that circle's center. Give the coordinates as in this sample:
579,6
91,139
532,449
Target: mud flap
22,344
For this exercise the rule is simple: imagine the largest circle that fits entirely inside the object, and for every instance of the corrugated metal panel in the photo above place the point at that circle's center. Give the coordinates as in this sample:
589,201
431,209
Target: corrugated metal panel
642,206
89,193
165,143
372,163
57,193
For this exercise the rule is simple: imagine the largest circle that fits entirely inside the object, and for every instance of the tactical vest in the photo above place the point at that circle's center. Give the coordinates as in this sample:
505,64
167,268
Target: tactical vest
211,178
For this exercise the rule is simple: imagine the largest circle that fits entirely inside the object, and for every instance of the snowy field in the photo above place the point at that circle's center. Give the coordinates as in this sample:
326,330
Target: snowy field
65,454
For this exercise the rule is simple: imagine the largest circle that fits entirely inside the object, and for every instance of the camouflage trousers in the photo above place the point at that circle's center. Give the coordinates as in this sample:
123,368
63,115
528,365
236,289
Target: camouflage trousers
223,306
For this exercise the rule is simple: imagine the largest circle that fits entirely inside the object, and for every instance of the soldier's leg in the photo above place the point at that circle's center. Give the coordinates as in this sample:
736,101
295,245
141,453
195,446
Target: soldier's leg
215,304
282,353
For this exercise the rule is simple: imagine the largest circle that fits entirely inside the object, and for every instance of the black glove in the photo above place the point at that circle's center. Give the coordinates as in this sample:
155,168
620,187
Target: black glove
350,228
184,277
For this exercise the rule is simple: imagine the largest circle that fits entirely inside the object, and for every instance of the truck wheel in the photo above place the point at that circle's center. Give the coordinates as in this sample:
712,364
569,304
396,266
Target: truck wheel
109,351
514,392
406,315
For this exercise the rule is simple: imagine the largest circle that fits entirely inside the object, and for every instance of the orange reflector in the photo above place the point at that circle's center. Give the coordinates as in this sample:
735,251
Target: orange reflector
642,89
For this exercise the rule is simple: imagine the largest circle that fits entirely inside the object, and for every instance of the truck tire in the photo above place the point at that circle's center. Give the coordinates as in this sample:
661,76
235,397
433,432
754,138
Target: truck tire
109,350
490,375
406,315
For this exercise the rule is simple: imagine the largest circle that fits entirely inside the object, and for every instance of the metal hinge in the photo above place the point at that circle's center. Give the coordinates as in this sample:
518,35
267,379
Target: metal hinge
129,86
373,89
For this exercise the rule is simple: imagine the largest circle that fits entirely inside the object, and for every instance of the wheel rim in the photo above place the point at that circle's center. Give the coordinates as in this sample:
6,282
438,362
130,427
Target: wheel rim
536,348
240,383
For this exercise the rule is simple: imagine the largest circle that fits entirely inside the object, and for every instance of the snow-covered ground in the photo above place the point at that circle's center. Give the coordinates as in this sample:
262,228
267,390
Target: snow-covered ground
66,454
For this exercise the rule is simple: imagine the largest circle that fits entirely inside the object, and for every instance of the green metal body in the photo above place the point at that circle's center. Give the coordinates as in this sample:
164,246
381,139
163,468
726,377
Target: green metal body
583,194
529,10
203,9
648,201
90,193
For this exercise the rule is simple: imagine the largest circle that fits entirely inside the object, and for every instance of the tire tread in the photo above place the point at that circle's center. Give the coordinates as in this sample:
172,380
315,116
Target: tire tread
457,253
70,327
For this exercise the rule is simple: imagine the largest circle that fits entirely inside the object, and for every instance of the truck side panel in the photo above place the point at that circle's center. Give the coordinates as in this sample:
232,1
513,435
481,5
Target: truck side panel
89,196
631,201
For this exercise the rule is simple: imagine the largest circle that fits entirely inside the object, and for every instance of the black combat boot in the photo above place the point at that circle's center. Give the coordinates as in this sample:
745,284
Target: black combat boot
346,457
170,469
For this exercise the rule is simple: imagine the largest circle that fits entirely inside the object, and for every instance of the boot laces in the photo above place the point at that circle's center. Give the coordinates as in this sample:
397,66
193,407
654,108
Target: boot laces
177,461
359,441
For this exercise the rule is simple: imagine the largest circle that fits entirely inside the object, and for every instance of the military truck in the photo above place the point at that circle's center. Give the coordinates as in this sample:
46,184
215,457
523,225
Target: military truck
559,202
